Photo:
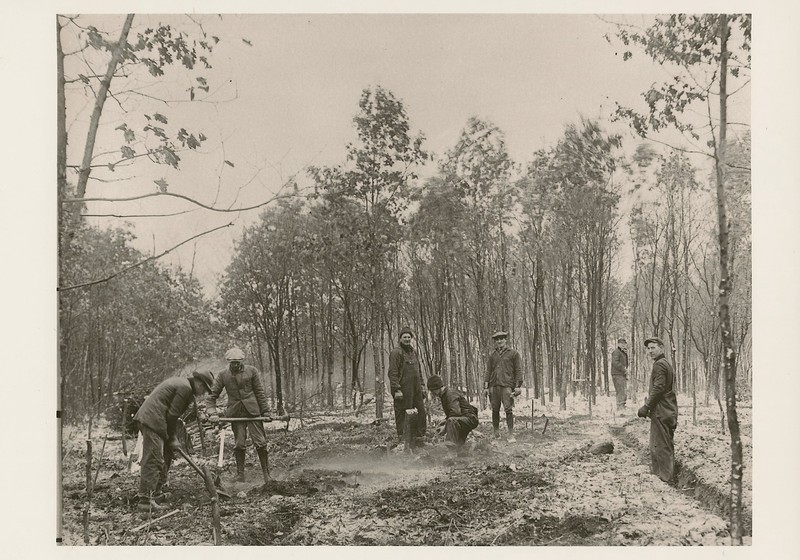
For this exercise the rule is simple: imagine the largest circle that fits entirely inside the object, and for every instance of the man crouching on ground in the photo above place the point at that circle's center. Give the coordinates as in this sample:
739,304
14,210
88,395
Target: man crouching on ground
461,417
158,419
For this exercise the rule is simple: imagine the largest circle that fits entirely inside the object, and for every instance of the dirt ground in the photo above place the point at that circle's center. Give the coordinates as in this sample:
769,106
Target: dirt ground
342,480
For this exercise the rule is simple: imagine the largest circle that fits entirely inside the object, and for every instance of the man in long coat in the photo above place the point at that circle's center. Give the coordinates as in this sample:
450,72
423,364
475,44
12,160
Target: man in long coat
460,416
246,399
619,372
405,380
158,419
661,407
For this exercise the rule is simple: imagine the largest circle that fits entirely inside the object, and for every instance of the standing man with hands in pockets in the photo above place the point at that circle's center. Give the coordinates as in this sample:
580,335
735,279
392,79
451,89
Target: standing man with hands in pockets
619,373
503,381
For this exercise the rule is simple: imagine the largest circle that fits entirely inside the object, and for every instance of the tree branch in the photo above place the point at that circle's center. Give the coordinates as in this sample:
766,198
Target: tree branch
140,263
677,149
135,215
175,195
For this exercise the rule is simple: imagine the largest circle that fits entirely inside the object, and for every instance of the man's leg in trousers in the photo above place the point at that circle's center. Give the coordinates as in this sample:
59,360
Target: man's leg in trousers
399,416
422,418
662,449
458,428
495,397
152,463
239,450
508,406
619,388
259,438
162,480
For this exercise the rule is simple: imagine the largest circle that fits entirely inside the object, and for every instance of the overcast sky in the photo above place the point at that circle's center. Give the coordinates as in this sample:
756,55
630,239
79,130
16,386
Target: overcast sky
285,88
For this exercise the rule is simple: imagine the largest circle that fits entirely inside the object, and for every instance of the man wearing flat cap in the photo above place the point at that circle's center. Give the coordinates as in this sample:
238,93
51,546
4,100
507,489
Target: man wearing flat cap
460,416
405,380
619,372
661,407
503,381
246,399
158,420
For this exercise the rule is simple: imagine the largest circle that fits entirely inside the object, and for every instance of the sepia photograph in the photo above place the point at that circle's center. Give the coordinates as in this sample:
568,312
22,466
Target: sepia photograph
389,278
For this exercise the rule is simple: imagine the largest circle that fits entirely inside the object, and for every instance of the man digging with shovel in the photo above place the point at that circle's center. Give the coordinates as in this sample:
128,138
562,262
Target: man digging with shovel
158,419
246,399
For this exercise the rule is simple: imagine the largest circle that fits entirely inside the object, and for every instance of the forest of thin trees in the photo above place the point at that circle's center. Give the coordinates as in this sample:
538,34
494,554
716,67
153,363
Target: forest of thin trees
319,287
595,237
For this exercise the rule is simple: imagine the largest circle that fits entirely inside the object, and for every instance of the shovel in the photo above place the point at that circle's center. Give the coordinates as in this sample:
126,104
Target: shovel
217,482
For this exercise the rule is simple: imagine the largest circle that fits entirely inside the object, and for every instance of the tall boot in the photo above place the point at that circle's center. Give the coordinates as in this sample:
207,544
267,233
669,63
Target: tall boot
239,454
263,457
496,423
510,424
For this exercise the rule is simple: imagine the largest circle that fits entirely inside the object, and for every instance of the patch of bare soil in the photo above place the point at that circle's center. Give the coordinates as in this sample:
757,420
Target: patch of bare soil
348,483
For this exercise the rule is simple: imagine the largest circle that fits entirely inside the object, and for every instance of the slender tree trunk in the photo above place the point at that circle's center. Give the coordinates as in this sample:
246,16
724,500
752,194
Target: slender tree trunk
330,347
729,356
102,93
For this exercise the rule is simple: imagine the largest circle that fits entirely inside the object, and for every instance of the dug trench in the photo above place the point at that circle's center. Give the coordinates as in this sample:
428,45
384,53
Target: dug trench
688,482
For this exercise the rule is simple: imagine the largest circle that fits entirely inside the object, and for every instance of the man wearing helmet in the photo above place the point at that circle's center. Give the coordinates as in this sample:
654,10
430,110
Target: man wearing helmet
246,399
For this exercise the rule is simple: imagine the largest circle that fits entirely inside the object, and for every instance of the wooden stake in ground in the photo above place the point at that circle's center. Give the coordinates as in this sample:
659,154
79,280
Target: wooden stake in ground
212,491
124,427
302,404
533,408
100,461
88,491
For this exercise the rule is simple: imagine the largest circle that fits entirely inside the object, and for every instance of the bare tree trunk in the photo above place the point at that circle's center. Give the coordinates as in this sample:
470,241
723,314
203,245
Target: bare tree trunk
102,93
729,356
329,346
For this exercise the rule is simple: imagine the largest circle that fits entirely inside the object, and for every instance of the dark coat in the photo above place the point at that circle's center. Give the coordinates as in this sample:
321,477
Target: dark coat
504,369
164,405
619,362
661,399
663,405
404,373
455,404
246,395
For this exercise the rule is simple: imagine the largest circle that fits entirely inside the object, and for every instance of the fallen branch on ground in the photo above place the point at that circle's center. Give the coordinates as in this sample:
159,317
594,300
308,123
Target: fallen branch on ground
143,525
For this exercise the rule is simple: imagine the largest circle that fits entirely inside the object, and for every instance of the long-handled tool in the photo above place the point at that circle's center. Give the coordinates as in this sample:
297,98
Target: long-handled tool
183,454
284,418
